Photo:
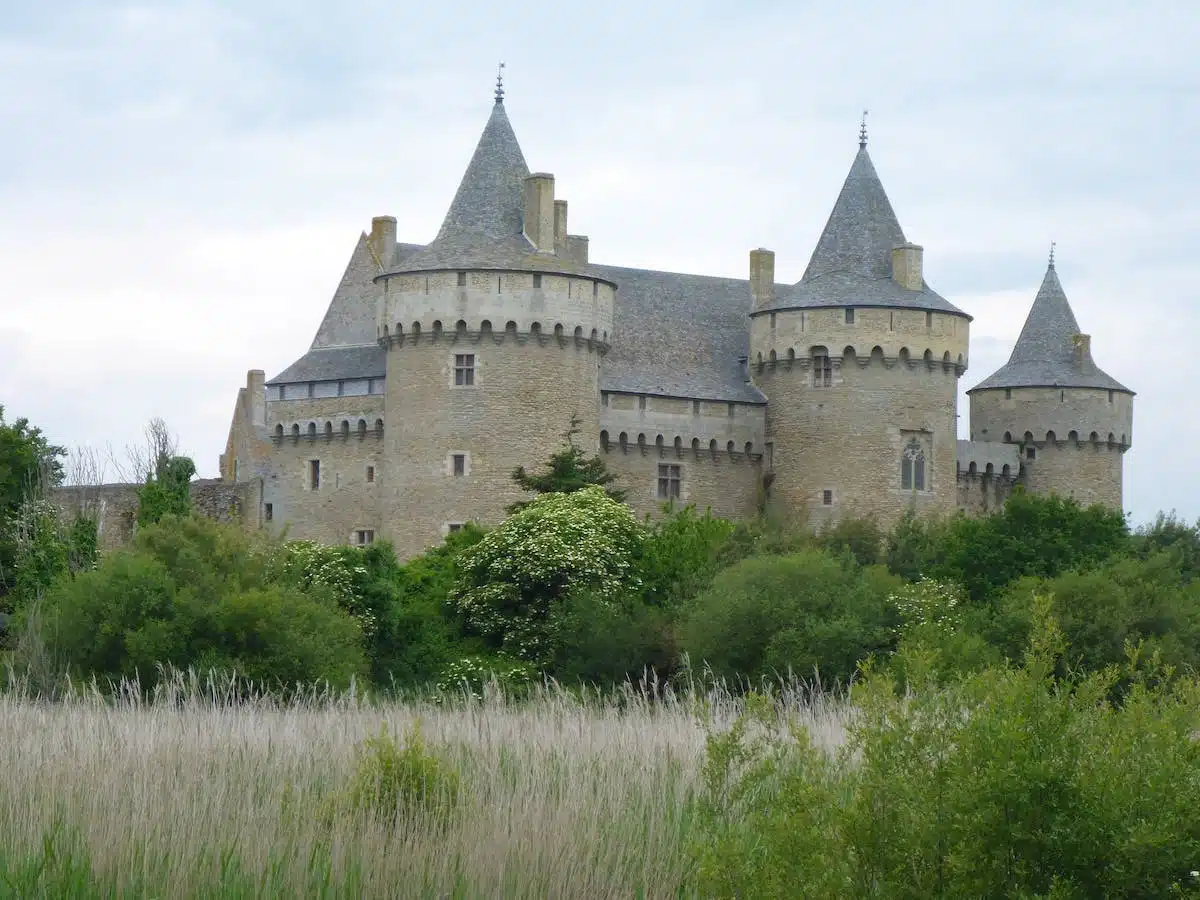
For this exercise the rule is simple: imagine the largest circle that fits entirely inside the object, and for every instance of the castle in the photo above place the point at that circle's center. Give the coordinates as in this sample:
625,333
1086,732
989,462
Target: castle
439,368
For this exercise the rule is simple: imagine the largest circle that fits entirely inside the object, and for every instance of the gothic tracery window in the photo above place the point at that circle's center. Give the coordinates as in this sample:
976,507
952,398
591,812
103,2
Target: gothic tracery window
912,467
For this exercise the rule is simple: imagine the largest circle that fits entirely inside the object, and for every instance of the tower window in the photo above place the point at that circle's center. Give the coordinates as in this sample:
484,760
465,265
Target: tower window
459,464
314,474
462,279
731,409
537,279
849,316
642,401
912,467
928,320
827,497
452,527
370,474
1110,396
822,371
595,289
268,512
464,369
364,536
1031,453
772,321
1008,393
669,479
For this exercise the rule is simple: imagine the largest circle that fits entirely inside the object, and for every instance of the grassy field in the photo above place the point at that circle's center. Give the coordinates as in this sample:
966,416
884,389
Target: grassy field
194,794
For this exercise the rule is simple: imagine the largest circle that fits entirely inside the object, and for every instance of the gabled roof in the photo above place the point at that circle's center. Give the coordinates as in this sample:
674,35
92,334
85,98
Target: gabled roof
485,225
852,262
1045,354
335,364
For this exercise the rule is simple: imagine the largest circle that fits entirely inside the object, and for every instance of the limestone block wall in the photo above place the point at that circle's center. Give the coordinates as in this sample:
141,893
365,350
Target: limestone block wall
1091,473
289,419
525,389
730,484
681,423
980,494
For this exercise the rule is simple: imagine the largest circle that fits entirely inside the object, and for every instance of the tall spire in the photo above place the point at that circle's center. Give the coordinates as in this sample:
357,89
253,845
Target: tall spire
500,83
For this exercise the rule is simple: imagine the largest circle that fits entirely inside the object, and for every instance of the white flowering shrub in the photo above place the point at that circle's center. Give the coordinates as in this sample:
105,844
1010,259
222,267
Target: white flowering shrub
339,570
928,603
469,675
556,544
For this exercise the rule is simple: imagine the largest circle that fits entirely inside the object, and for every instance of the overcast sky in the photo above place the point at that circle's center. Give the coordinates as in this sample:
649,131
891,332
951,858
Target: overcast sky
181,184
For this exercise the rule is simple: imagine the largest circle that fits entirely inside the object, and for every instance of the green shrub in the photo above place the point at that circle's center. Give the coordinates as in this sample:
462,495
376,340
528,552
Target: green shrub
599,640
680,555
1008,784
804,611
408,783
861,539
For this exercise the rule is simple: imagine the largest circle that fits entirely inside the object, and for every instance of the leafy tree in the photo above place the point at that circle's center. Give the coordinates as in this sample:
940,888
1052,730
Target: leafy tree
568,470
46,548
911,546
862,539
1177,539
167,492
1032,535
680,555
558,543
29,464
802,611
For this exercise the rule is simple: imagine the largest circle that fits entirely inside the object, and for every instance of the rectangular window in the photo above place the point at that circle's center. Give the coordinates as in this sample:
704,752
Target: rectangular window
1030,452
314,474
731,409
849,317
464,369
604,398
459,464
770,456
641,401
537,280
364,536
822,371
1008,393
268,511
928,320
669,479
595,289
370,474
695,407
891,321
1110,396
827,498
462,279
772,321
453,527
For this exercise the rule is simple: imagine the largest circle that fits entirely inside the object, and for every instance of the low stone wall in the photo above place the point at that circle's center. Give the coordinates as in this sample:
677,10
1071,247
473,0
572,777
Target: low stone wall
115,506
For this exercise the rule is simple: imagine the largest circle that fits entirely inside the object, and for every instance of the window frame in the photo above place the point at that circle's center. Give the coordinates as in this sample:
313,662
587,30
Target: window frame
914,467
464,369
669,484
822,370
314,474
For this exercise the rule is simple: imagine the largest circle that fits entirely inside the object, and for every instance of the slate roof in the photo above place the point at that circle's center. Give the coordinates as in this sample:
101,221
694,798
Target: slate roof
1044,355
852,262
335,364
484,227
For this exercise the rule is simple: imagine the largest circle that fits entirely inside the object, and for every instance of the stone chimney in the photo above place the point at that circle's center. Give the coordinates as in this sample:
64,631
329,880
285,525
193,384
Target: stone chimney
577,249
762,277
1082,346
906,266
256,395
383,239
560,227
540,211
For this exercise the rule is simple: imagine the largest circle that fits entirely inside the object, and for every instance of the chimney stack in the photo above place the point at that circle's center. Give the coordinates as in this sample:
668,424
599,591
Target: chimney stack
256,395
577,249
762,277
1083,353
540,211
560,227
383,239
906,266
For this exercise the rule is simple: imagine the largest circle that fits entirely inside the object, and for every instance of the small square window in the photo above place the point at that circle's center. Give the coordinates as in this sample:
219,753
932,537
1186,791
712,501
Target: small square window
1030,452
453,527
669,481
370,474
464,369
269,512
827,498
314,474
462,279
364,536
849,317
537,279
459,464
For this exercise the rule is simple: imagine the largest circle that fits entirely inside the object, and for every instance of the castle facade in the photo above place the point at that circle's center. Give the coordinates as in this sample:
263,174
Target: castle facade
439,368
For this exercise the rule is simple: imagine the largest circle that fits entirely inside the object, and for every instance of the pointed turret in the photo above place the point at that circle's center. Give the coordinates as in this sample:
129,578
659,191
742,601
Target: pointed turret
1051,351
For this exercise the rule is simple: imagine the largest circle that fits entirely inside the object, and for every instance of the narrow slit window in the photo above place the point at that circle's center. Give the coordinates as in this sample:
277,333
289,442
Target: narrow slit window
269,512
314,474
370,474
459,464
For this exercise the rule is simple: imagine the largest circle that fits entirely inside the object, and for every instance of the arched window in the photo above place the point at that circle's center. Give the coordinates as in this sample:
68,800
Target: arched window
912,467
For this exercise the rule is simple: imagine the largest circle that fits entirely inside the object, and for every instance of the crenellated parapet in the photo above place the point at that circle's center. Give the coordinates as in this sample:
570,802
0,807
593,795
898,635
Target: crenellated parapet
891,338
676,426
328,431
1096,417
500,304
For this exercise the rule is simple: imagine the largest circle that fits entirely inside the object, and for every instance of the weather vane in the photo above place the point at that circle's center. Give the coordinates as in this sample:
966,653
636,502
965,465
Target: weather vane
500,84
1052,254
862,130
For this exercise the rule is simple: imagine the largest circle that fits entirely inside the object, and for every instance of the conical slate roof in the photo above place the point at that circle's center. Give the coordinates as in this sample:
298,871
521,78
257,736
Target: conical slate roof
1045,354
484,227
852,263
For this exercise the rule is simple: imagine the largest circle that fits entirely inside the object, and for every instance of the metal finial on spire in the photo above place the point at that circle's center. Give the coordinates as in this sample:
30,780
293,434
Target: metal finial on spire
862,130
1052,254
500,84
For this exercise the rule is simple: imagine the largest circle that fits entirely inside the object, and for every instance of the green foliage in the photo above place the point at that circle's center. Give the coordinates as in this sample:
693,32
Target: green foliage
44,548
1177,539
801,611
1009,784
29,464
861,539
567,471
408,783
470,675
191,592
680,555
598,640
912,545
166,492
1031,535
557,543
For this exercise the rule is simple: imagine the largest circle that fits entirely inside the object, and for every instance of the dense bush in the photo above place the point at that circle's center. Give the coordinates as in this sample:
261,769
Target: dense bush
804,611
191,592
407,783
1010,783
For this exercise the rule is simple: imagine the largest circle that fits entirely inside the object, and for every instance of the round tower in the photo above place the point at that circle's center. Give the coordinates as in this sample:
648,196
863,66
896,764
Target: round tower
860,362
1072,421
494,333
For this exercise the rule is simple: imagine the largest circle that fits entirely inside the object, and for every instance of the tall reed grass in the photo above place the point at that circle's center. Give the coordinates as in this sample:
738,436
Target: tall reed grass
209,789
